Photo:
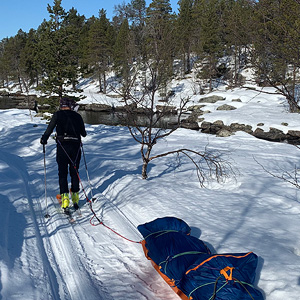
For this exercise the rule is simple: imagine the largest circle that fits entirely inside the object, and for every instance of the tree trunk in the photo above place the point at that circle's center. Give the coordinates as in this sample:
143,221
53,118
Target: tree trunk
144,169
104,82
146,159
100,83
188,61
20,83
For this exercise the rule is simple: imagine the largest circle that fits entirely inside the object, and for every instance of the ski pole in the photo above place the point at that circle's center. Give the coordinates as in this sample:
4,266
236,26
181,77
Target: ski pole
87,174
44,151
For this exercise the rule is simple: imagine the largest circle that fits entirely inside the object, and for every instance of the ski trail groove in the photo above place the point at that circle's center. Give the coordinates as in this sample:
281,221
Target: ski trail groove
18,167
70,259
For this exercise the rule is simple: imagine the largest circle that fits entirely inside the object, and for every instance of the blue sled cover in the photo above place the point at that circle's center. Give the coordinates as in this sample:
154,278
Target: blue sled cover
188,266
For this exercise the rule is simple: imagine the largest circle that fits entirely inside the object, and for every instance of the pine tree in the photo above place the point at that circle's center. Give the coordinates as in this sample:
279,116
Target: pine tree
138,12
11,59
184,29
238,27
160,43
74,25
137,20
29,58
4,63
207,35
58,48
276,56
123,52
100,48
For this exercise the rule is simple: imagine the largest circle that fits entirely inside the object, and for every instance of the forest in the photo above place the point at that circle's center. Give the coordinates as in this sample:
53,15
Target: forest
218,38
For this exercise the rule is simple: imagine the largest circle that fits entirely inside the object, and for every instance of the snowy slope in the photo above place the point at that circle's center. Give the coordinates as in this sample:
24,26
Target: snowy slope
51,259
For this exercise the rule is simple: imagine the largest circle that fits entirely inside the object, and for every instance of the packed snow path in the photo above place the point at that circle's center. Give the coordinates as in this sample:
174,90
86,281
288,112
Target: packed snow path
49,258
44,258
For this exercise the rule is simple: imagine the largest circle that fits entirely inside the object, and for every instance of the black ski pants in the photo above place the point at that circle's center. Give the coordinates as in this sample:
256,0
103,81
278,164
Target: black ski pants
68,156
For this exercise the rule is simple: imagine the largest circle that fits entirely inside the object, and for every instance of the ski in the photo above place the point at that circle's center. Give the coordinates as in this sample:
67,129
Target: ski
78,212
66,211
68,214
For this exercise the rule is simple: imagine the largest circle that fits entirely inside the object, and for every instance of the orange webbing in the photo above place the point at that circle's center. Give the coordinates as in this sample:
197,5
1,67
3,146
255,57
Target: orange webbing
169,281
225,274
214,257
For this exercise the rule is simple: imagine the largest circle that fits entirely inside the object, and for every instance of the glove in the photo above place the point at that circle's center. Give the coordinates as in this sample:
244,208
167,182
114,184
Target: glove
43,141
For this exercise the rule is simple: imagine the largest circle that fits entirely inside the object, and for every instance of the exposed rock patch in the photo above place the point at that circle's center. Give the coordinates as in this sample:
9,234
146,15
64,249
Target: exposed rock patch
226,107
274,135
211,99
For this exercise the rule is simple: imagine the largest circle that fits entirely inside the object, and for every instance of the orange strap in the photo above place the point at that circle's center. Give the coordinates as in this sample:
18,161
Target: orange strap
212,257
225,274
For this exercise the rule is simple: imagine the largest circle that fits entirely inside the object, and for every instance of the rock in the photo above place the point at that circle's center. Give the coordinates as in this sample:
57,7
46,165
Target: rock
274,135
191,122
294,133
196,108
241,127
18,96
167,109
4,93
226,107
293,137
224,133
98,107
191,125
206,127
219,123
212,128
211,99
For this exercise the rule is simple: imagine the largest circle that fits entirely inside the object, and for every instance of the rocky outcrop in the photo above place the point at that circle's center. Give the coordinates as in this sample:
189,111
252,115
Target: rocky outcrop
96,107
274,135
166,109
18,100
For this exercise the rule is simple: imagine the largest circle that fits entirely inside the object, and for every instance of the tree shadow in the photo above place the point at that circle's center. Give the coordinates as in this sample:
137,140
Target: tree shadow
12,226
117,174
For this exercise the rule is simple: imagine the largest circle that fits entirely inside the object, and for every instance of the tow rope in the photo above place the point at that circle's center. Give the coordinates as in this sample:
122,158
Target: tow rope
89,201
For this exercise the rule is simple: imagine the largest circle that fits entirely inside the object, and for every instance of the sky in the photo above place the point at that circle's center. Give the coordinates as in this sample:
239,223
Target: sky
20,14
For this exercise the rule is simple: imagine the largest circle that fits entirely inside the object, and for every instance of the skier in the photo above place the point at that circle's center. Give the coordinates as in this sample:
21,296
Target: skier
69,129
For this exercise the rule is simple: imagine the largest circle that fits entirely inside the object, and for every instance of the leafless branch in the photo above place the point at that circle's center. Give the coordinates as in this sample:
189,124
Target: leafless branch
292,178
209,164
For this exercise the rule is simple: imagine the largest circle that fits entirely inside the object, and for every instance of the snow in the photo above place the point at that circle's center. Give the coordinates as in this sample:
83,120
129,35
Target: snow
50,258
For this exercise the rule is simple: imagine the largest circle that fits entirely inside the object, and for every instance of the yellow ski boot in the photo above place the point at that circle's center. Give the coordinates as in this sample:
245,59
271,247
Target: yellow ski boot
65,201
75,200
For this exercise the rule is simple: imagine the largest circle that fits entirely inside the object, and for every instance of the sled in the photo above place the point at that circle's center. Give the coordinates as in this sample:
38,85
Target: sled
191,270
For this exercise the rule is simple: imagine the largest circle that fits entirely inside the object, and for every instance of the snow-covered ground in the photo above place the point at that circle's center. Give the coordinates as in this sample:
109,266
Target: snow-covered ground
50,258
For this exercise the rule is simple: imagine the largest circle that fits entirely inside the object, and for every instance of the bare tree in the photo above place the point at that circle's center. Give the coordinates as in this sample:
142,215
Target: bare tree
208,163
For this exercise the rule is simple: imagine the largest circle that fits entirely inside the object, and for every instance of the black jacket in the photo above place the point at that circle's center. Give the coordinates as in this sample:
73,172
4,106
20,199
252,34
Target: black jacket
69,125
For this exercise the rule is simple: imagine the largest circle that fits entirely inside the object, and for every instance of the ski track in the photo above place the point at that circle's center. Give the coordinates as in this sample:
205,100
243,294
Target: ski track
65,268
36,258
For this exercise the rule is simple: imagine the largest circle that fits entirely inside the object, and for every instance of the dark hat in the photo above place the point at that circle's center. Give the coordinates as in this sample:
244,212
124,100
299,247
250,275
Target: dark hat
68,102
64,102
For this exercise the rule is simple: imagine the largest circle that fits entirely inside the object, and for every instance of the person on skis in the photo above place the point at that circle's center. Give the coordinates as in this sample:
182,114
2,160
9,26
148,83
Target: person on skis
69,130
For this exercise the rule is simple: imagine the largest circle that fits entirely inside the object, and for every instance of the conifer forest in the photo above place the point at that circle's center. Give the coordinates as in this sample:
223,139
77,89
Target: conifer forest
218,38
